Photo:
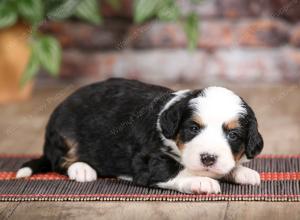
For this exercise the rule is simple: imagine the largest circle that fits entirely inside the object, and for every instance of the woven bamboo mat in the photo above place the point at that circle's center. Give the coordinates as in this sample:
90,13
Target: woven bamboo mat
280,182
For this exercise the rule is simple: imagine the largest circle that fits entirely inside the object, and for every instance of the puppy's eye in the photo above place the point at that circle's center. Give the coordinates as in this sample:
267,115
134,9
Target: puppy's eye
194,128
232,136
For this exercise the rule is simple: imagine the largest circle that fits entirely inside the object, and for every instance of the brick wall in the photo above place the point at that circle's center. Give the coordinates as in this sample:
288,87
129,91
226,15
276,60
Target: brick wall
255,41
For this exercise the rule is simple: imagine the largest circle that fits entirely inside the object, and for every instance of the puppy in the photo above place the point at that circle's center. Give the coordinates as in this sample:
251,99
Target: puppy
151,135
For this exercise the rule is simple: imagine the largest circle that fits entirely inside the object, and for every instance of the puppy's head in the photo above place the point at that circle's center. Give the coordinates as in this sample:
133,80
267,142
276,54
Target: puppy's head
211,129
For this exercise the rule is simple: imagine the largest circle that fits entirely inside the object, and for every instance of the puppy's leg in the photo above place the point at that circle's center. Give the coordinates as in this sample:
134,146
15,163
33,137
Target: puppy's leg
243,175
81,172
191,184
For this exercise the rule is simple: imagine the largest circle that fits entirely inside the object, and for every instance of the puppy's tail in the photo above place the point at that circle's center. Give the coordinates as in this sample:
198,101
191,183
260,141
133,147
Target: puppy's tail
40,165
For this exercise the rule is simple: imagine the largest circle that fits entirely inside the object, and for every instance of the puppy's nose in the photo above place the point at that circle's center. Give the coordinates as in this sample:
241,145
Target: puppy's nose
208,159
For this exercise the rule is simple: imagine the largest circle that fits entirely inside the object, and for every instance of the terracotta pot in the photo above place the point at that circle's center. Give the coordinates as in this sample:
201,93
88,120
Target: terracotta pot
14,55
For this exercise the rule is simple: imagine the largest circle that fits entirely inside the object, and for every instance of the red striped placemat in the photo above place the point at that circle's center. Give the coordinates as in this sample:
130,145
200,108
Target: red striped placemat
280,175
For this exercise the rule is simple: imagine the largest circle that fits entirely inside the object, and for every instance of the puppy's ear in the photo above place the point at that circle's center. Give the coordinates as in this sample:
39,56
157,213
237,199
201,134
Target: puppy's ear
255,143
170,120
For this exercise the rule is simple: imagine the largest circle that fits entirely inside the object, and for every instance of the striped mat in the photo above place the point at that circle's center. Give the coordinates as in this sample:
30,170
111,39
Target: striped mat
280,182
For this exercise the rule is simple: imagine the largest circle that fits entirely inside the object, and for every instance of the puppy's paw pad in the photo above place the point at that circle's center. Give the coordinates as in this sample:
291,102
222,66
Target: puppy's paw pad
245,175
202,185
82,172
24,172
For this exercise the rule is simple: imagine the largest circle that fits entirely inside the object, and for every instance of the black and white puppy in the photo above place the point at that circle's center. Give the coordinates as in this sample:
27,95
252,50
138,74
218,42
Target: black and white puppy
151,135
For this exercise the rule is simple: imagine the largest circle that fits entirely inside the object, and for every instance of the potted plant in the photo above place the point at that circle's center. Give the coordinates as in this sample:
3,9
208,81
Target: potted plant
23,49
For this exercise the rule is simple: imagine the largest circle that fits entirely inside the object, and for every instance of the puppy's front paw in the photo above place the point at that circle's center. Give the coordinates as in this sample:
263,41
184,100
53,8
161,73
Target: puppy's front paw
245,175
81,172
199,185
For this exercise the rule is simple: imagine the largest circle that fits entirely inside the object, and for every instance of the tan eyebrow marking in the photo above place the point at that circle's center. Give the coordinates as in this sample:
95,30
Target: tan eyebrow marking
232,124
198,120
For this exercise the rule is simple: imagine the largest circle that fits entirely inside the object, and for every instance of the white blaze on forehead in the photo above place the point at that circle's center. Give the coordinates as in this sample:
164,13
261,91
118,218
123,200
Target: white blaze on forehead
217,105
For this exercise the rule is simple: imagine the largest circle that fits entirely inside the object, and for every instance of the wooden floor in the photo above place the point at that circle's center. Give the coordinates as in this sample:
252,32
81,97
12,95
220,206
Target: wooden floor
149,210
278,112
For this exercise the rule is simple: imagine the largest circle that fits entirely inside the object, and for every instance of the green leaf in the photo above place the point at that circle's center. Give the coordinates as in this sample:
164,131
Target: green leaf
31,69
8,16
145,9
168,12
191,30
49,54
51,5
31,10
63,9
89,11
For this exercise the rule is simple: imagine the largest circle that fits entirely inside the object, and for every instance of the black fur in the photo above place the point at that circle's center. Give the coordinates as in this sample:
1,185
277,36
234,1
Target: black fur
177,114
237,144
253,140
114,124
40,165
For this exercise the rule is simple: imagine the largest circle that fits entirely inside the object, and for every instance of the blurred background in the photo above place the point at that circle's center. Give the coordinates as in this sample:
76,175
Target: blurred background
50,48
